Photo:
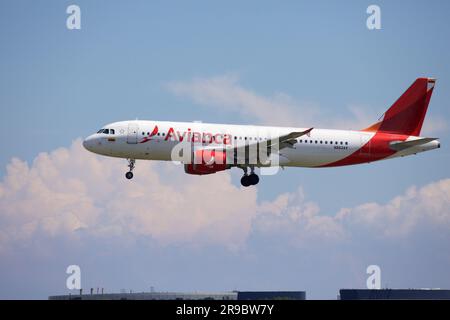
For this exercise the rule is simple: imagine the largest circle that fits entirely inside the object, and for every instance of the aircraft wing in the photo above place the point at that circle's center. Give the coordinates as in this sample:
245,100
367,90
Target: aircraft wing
284,141
277,143
287,140
402,145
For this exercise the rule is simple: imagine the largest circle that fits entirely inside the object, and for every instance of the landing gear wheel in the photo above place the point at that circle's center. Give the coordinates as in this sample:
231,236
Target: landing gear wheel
253,178
245,181
129,175
249,179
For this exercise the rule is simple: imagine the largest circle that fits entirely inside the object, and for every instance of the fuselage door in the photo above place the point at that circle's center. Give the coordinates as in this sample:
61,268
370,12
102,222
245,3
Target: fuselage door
132,136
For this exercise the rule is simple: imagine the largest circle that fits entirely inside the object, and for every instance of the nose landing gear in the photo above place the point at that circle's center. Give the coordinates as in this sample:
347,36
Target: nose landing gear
129,174
249,179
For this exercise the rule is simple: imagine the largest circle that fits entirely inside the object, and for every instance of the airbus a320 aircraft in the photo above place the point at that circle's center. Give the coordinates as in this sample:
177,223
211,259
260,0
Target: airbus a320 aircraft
218,147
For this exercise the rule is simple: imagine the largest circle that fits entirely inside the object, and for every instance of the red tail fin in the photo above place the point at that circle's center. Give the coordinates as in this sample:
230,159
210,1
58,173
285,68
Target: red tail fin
407,113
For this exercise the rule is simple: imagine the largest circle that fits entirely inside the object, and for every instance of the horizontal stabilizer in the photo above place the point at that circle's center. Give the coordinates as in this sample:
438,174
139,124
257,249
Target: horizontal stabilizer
402,145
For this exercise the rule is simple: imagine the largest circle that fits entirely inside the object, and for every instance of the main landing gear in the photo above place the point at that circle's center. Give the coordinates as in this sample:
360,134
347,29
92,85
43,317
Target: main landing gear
129,174
249,179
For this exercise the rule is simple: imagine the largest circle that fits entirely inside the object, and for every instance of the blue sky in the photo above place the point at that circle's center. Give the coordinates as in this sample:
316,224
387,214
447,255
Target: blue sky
58,85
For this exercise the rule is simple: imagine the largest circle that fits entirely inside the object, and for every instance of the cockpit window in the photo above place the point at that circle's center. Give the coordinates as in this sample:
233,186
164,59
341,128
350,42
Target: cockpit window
106,131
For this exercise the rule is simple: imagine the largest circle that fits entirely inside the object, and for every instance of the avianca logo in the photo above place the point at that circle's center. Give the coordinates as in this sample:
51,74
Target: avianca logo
191,136
148,138
198,137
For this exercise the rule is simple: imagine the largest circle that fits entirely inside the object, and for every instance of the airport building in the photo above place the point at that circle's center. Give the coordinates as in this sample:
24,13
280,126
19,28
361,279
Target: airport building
150,296
344,294
234,295
271,295
394,294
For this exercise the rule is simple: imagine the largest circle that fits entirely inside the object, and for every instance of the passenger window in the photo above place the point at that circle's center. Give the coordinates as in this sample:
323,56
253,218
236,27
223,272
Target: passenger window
346,143
326,142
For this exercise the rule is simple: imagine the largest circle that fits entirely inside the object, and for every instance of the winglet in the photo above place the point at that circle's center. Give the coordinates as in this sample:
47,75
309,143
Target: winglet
307,132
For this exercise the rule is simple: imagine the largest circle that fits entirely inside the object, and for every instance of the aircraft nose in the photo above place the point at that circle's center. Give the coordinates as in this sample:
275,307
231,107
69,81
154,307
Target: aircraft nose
88,143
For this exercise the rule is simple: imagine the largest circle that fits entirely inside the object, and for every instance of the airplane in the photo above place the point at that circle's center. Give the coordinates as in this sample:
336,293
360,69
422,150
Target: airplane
218,147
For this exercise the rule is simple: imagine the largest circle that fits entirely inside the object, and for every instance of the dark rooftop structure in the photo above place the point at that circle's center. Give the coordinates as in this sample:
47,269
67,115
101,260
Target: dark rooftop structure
271,295
150,296
394,294
233,295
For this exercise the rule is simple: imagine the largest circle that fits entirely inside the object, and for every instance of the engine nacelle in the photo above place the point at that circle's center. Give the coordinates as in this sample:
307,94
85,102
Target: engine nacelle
207,162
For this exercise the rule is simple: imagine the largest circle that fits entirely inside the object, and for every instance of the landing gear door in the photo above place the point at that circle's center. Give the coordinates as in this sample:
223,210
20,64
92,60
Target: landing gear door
132,137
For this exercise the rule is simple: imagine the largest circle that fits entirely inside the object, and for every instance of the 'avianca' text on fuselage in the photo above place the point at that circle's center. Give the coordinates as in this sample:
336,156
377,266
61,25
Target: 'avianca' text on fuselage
206,148
197,137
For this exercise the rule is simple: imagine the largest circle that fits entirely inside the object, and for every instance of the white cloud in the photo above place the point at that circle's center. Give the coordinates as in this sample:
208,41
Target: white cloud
70,206
299,220
225,93
71,192
71,189
417,208
425,209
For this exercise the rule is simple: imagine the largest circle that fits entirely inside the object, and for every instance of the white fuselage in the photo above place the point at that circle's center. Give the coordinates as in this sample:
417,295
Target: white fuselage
154,140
